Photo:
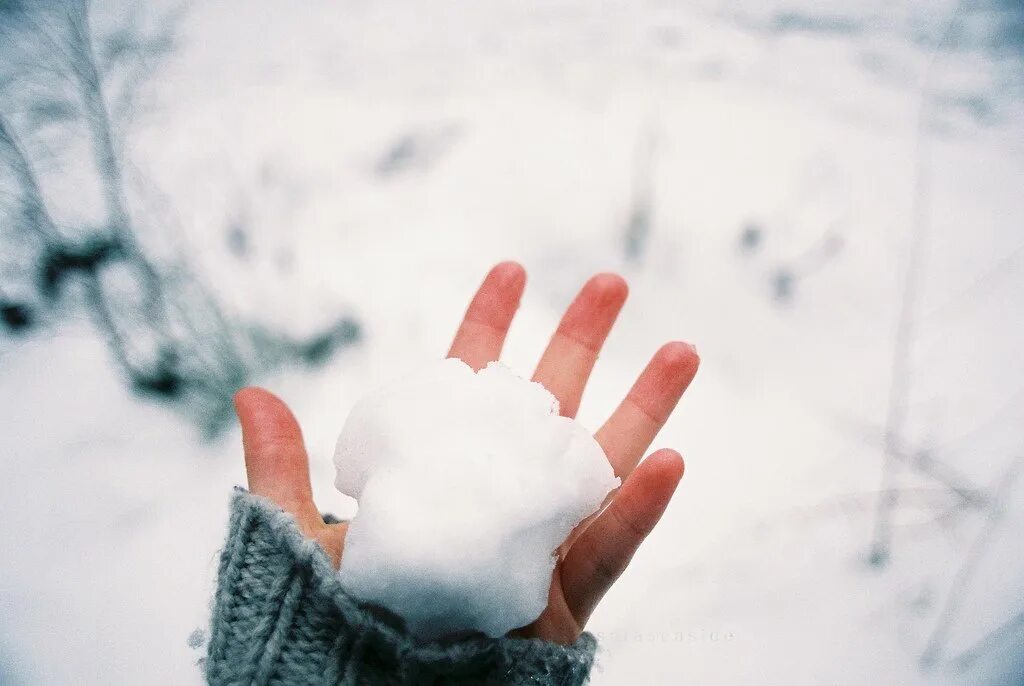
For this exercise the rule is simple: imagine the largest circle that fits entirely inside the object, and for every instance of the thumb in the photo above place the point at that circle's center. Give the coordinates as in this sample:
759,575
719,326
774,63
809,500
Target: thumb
276,462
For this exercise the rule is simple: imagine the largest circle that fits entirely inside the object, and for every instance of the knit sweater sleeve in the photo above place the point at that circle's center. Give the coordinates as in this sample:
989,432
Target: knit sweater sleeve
281,617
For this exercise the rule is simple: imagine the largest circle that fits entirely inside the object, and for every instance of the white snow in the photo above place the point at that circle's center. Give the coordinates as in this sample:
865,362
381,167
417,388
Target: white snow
467,483
279,116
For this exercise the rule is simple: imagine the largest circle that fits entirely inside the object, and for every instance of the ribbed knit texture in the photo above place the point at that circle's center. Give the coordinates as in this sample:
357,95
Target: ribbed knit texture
281,617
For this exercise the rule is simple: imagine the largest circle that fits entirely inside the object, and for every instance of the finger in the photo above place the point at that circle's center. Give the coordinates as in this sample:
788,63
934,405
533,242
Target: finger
569,358
482,333
647,406
275,457
331,538
603,551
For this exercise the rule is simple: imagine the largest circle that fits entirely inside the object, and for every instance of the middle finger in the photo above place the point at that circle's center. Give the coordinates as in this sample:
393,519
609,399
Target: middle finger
569,358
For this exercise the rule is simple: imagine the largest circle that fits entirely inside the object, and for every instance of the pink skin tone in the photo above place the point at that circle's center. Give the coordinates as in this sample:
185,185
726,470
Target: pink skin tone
600,548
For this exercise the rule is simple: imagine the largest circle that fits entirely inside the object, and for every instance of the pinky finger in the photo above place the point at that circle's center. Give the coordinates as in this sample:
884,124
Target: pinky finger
603,551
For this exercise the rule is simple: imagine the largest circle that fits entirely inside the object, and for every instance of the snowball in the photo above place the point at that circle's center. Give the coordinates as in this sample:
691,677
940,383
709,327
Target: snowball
467,483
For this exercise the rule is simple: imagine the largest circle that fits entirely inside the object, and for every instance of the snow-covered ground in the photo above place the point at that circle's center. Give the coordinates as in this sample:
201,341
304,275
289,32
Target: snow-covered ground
382,156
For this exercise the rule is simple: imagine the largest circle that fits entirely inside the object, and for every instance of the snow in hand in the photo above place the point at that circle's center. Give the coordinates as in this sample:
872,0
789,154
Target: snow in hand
467,483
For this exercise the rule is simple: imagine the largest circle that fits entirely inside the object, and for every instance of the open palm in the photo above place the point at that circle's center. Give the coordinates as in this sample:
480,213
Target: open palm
598,550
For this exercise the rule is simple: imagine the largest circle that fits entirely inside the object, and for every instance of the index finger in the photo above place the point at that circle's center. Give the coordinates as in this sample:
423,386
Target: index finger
482,333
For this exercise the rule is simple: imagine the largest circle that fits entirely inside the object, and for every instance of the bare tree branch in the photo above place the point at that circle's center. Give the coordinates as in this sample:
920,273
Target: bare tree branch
900,381
957,591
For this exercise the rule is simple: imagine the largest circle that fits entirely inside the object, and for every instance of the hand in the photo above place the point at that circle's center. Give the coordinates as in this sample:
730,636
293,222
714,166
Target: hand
600,548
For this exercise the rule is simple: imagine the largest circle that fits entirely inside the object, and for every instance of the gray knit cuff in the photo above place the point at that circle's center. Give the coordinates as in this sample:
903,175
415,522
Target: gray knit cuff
280,616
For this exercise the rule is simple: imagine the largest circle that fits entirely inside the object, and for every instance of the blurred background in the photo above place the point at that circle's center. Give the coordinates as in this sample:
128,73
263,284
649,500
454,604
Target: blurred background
825,197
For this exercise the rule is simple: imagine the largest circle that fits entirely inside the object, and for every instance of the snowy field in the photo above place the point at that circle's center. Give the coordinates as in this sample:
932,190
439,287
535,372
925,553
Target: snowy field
765,175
